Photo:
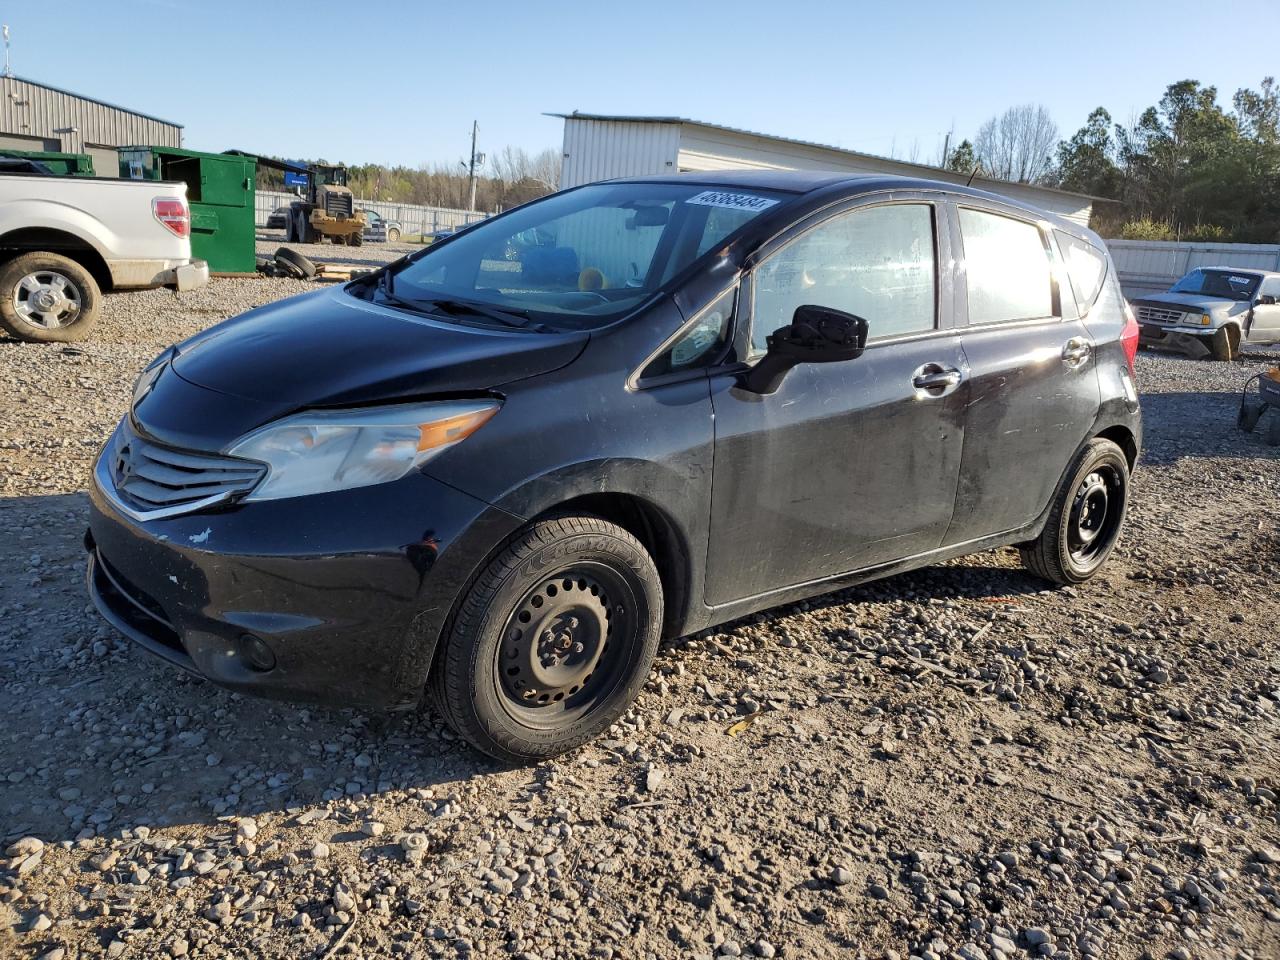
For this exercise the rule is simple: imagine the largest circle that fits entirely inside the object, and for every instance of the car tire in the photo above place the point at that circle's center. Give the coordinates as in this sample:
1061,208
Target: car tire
295,263
1085,519
552,641
1225,344
393,235
68,314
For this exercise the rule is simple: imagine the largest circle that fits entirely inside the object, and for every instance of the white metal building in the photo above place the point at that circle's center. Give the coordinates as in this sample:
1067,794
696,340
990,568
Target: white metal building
601,147
35,116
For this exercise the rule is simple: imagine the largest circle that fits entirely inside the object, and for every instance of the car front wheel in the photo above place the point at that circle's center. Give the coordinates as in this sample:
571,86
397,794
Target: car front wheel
552,642
1085,519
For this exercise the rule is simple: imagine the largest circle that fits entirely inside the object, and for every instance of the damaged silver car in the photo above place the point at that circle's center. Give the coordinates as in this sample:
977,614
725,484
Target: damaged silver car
1212,311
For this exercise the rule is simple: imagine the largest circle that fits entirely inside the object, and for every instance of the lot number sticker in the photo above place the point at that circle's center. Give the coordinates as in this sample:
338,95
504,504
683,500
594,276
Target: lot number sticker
734,201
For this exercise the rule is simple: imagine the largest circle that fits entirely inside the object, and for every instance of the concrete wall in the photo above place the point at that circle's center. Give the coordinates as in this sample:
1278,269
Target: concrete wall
1152,266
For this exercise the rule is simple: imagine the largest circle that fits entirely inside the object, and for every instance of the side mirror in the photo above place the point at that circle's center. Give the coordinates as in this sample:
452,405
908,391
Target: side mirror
1267,300
815,335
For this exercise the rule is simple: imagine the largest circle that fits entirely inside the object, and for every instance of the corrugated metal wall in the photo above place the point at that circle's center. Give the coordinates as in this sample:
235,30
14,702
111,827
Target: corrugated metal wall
601,150
32,110
1151,266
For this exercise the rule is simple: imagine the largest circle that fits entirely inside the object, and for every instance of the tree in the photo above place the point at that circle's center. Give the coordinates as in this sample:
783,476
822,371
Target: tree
1085,161
1181,159
1018,145
962,159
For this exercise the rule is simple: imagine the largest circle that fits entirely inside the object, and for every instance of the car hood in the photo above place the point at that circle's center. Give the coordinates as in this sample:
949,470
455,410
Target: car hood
1192,301
329,348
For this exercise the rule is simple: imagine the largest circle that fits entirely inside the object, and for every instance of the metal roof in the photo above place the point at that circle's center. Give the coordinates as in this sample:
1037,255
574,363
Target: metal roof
932,170
104,103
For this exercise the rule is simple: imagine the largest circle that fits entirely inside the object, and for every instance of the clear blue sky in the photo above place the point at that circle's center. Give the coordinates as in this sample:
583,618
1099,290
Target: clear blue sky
236,75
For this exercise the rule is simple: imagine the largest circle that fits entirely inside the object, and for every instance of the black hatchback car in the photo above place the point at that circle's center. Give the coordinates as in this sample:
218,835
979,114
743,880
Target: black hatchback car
505,477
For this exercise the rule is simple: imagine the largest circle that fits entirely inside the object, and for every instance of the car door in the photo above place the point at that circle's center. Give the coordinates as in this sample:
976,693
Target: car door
1033,390
854,463
1264,318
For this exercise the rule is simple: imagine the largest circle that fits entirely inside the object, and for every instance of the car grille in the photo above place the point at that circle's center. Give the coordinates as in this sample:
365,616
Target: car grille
1159,315
150,476
338,204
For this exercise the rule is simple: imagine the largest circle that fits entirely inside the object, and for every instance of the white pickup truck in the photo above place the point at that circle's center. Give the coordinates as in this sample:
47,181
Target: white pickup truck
65,240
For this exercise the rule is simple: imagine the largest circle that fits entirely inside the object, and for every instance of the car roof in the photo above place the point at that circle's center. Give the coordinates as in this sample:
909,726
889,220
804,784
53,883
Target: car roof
848,184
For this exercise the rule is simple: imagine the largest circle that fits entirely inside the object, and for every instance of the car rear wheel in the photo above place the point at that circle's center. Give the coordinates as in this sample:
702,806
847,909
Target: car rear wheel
1086,518
552,642
47,298
1225,344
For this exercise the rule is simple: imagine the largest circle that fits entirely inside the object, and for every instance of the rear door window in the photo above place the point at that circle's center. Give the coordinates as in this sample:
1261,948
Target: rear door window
1086,266
1010,276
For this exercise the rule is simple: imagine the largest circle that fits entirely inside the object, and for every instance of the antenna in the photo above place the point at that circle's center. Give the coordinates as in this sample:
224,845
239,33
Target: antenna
8,70
976,168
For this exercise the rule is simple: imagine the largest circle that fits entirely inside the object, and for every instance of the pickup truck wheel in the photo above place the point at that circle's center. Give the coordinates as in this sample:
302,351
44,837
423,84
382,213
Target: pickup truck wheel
1085,519
1225,344
46,298
552,642
393,235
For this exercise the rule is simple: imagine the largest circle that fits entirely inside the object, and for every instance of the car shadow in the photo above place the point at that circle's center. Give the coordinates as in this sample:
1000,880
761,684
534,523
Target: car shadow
100,736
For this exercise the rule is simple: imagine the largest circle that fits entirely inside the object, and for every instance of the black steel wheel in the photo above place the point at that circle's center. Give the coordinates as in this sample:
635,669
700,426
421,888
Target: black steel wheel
552,642
1085,519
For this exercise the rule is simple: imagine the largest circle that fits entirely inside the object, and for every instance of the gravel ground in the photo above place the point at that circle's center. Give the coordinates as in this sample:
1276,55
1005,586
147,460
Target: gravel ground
954,763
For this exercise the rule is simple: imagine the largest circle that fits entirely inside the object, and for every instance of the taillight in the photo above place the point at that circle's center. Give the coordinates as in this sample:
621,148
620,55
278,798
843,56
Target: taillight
1129,337
173,214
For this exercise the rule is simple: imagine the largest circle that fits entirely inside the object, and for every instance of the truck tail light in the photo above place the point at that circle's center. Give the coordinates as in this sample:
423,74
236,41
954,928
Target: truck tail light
1129,337
173,214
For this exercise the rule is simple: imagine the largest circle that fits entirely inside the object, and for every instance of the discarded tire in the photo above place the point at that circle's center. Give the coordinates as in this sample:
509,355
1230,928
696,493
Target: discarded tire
295,264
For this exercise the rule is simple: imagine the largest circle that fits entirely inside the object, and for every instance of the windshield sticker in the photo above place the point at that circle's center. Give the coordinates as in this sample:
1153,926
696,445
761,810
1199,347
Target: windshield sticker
1238,279
734,201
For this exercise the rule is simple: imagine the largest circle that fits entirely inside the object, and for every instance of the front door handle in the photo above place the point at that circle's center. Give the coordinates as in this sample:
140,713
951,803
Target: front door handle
934,380
1076,351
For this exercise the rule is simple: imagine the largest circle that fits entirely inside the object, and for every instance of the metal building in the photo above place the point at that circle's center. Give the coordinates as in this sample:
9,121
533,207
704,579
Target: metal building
35,116
600,147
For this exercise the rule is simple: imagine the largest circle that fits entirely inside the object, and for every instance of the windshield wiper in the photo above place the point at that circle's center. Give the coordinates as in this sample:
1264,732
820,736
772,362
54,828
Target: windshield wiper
507,317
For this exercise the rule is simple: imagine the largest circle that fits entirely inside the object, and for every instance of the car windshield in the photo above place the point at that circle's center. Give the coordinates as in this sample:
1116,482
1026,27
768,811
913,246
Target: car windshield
1218,283
578,259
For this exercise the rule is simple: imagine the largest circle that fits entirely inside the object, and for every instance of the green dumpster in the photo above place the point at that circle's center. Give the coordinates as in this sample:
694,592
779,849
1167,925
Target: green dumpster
63,164
220,192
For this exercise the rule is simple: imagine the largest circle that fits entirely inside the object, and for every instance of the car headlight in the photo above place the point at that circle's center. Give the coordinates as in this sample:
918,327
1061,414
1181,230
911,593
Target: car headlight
146,380
1198,319
322,451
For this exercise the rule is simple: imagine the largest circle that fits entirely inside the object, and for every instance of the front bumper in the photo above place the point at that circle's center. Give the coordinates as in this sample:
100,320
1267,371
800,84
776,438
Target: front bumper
1194,345
349,591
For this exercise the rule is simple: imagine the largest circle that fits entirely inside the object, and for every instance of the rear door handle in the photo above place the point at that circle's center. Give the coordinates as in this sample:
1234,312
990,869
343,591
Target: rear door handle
1076,351
934,380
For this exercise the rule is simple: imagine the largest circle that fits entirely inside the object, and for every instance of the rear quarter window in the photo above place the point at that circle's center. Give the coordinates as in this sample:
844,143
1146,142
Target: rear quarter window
1086,266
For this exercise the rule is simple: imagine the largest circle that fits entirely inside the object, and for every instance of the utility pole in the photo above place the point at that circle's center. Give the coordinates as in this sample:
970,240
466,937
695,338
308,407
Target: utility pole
8,70
946,150
471,204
